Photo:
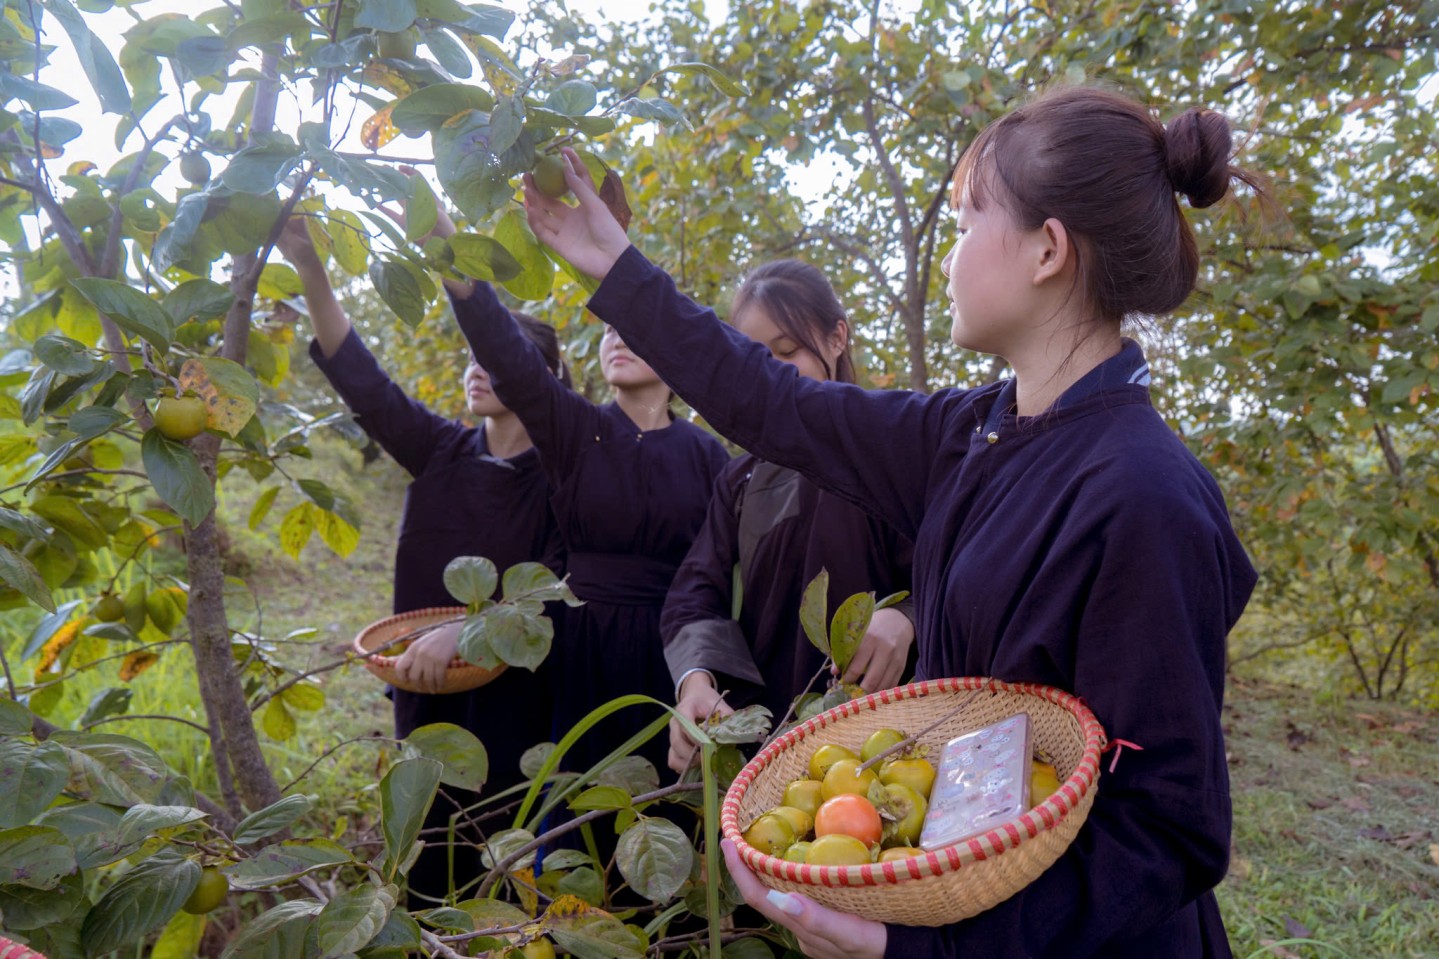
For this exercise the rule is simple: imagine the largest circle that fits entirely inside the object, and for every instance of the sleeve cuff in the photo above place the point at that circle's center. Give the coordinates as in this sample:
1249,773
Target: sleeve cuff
714,645
616,291
679,683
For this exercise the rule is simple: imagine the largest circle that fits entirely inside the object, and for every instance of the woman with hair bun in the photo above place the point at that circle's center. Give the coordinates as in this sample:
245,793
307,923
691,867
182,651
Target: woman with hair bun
1063,533
781,531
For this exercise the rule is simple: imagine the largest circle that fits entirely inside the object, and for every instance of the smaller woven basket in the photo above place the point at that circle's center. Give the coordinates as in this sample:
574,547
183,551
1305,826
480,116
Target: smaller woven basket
959,881
460,677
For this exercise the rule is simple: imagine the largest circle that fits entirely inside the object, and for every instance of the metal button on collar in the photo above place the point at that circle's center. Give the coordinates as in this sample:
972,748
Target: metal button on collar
992,438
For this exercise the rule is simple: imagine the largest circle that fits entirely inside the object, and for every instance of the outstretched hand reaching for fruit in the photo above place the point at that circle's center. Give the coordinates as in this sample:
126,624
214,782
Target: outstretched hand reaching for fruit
588,235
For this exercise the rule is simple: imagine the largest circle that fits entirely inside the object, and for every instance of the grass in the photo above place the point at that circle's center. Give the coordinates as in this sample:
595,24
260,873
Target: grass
1336,833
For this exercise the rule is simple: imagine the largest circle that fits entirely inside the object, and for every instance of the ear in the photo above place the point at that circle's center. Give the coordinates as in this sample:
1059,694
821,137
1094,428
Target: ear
1055,253
839,339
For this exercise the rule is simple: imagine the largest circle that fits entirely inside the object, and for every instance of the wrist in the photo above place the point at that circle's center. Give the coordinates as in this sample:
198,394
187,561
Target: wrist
696,680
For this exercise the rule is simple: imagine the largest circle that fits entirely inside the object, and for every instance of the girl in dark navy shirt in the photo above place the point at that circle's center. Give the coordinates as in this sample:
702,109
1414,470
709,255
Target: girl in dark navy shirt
1063,533
629,486
781,531
477,491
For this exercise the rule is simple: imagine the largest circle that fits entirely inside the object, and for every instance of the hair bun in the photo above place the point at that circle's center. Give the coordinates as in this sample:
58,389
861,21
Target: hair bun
1196,156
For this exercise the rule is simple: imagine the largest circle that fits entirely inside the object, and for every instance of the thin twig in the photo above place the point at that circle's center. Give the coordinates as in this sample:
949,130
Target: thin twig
911,740
173,719
327,753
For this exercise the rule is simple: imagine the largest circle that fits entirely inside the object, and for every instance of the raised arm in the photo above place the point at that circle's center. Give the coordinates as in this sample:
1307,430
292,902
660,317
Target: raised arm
873,448
406,429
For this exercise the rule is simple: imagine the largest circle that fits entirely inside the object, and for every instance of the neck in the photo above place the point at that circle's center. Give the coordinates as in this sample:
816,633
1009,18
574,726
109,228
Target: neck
1043,374
647,406
505,435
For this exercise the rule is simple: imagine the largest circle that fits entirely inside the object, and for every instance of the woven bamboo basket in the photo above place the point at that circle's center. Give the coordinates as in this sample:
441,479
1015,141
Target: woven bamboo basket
10,949
956,882
460,677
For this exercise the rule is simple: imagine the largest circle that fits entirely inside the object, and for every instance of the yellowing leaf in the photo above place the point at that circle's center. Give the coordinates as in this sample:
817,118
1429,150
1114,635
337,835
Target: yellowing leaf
1434,852
80,168
383,75
278,721
229,392
136,663
525,883
378,130
64,636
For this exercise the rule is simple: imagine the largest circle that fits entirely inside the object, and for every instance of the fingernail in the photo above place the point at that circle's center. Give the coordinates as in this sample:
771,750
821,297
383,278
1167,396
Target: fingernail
784,902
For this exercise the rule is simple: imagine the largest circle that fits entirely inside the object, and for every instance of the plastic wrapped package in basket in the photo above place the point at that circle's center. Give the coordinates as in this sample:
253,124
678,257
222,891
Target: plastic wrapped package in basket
956,882
391,633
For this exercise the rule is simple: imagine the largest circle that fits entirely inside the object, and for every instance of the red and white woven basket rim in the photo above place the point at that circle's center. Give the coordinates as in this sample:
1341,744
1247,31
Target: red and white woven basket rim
382,661
988,845
10,949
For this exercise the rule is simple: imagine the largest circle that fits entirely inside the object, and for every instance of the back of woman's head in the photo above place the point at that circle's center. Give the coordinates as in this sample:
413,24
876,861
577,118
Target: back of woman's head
1108,170
800,301
543,336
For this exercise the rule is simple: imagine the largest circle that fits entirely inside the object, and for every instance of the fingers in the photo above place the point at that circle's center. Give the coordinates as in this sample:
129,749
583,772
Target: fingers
882,675
577,175
682,747
863,657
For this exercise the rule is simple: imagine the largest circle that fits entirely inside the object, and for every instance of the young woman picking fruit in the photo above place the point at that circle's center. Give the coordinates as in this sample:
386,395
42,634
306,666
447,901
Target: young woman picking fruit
1063,534
630,483
782,531
476,491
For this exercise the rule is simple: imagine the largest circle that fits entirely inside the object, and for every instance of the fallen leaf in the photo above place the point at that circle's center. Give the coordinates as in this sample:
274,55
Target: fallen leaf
1319,803
1356,804
1359,762
1408,726
1296,738
1378,833
1370,720
1412,838
1434,852
1296,929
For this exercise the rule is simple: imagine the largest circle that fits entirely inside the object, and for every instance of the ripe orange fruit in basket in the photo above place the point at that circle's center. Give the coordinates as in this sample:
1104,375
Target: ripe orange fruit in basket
849,815
837,849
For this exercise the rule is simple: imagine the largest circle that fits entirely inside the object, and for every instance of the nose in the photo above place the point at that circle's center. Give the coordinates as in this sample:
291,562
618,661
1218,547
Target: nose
944,264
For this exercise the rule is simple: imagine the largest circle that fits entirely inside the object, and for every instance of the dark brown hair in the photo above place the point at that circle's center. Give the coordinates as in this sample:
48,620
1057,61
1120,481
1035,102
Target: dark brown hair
543,335
800,301
1108,170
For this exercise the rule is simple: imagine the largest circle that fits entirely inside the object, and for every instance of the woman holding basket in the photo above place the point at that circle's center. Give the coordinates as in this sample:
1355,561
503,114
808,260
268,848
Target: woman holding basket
1063,534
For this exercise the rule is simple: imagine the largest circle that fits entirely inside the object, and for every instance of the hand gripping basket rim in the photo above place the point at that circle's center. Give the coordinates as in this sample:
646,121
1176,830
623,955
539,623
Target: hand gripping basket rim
1073,799
460,676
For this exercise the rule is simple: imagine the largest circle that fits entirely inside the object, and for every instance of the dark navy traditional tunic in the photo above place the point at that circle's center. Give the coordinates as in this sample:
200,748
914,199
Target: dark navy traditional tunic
1085,548
463,502
781,530
628,504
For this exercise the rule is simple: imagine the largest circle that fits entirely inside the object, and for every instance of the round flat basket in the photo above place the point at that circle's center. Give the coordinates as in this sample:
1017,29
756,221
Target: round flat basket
956,882
10,949
459,678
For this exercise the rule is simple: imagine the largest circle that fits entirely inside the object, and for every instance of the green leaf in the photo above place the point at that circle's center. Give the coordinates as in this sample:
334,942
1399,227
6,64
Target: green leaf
749,724
25,909
36,857
483,258
599,798
518,638
18,572
296,527
284,862
64,355
477,180
652,108
428,108
573,98
470,579
421,210
525,578
405,796
104,75
198,300
537,276
93,421
143,819
634,774
177,477
131,310
351,241
588,932
400,290
390,16
655,857
274,818
181,937
505,843
140,902
261,509
111,769
814,611
846,632
260,168
40,96
24,525
15,720
507,119
352,919
277,934
307,696
448,52
114,701
278,721
714,75
466,764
